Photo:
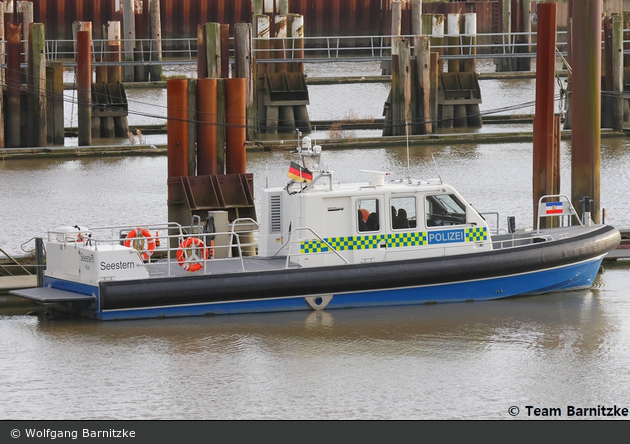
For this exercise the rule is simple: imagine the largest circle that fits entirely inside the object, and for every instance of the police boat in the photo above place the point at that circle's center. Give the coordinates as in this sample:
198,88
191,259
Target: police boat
320,245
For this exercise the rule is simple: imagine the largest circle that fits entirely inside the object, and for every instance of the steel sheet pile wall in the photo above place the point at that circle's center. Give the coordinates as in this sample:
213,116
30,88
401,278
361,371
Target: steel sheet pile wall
181,17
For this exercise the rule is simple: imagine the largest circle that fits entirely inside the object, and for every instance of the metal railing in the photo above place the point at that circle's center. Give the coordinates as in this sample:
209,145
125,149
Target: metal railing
183,51
361,48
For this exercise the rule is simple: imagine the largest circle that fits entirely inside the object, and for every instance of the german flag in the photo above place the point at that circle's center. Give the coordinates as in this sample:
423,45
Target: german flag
299,174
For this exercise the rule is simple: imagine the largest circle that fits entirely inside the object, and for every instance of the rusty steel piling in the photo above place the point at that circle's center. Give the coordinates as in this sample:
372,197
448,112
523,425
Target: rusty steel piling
543,164
236,126
207,148
84,87
177,136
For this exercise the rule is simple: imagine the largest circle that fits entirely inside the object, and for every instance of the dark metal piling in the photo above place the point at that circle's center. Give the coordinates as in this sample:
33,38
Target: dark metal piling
586,104
84,87
14,80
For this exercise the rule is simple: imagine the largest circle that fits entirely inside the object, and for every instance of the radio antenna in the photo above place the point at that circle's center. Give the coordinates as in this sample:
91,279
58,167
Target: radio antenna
407,136
436,168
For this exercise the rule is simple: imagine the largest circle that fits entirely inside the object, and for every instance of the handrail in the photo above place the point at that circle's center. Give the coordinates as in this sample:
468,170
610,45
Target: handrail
11,258
519,238
566,209
376,47
234,234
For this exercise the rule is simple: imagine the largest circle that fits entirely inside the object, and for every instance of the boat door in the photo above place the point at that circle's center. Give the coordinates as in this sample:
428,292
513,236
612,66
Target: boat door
369,241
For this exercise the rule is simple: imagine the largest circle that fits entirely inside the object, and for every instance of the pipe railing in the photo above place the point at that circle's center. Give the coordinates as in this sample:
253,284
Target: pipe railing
314,49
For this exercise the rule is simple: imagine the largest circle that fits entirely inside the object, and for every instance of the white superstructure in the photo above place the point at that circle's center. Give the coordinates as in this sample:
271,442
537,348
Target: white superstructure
379,220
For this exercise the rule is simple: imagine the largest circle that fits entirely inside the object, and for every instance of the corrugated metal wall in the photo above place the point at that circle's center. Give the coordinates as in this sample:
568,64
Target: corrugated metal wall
322,17
181,17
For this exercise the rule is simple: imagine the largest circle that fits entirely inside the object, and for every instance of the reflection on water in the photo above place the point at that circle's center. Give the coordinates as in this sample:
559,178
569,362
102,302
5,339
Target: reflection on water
42,194
468,360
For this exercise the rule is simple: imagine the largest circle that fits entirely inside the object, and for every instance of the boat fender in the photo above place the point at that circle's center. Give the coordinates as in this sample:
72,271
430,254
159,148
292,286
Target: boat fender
138,237
187,254
318,302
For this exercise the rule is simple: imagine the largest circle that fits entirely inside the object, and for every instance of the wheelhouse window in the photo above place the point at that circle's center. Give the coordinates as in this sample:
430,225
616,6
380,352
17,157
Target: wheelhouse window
403,212
444,210
368,218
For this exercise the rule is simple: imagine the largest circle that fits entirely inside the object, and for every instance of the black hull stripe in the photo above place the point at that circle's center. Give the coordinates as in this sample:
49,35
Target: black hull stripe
358,277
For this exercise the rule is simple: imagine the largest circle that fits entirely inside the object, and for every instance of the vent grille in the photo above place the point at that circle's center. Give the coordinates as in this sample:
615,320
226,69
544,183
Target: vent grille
275,214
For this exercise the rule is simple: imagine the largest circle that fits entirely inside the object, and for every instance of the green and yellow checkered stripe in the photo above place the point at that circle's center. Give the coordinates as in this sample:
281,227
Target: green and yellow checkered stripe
476,234
364,242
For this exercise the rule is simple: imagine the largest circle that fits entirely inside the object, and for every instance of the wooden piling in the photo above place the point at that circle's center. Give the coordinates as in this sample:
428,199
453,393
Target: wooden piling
156,39
435,23
504,63
473,114
282,7
213,50
434,82
114,72
416,17
84,87
296,27
244,69
177,121
14,80
236,135
469,42
54,103
422,118
129,37
26,9
279,45
543,159
257,7
401,100
396,23
453,42
525,63
36,98
586,106
206,127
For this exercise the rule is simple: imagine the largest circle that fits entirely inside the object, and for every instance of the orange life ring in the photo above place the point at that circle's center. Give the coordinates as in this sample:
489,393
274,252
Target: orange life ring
190,261
138,236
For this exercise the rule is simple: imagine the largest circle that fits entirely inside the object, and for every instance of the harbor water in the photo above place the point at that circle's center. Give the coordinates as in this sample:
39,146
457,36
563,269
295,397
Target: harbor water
485,360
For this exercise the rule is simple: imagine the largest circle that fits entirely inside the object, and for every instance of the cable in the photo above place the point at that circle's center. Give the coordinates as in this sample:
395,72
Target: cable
256,124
